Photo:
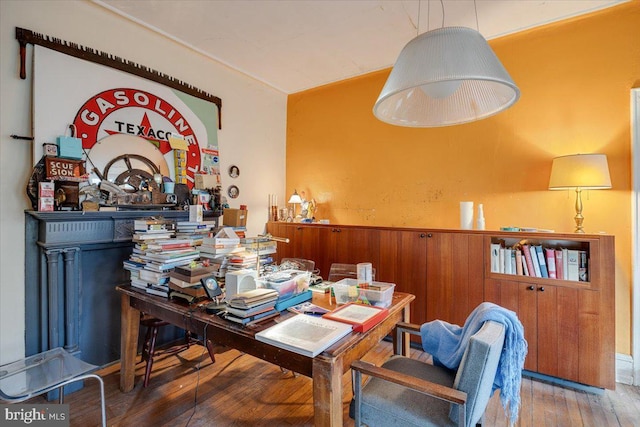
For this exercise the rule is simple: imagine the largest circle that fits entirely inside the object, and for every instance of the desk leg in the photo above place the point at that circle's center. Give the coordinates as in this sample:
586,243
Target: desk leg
327,393
406,342
130,327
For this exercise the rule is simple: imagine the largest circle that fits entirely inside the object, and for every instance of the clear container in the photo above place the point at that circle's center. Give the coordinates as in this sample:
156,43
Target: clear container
379,293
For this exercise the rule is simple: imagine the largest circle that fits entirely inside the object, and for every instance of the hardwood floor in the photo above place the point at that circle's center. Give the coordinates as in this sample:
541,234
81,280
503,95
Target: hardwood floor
240,390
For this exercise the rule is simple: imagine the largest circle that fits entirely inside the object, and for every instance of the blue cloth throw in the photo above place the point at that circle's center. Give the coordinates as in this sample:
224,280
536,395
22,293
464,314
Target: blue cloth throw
447,343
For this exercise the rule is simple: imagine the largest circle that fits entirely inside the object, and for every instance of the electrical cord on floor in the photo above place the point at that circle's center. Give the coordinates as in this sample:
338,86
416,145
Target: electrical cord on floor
195,397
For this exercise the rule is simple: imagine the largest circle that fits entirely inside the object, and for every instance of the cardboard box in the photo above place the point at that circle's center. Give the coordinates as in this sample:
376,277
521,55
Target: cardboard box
205,182
234,217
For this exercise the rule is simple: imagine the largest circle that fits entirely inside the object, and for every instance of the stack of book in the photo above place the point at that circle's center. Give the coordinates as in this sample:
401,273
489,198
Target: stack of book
196,231
264,248
538,261
153,228
252,306
184,281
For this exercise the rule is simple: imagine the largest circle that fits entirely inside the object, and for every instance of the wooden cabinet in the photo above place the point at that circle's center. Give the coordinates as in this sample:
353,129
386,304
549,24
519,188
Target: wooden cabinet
569,326
455,267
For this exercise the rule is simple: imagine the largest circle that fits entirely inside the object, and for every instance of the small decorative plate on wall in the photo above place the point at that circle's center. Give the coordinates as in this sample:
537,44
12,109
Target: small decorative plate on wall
234,171
233,191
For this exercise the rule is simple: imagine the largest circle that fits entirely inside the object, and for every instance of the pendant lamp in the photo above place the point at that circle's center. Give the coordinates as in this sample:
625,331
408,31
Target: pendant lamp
445,77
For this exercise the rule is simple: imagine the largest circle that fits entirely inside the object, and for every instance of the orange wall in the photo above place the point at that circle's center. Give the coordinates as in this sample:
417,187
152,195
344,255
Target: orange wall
575,79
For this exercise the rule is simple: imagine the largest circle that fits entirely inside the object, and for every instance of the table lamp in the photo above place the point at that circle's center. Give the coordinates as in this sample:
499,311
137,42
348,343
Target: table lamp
580,172
295,199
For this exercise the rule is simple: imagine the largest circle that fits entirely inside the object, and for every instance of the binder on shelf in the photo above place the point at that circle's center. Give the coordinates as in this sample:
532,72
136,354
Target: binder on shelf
526,250
541,262
559,253
550,255
573,265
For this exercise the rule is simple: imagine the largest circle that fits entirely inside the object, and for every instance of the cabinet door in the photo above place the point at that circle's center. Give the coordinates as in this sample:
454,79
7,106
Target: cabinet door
455,275
346,245
521,299
403,262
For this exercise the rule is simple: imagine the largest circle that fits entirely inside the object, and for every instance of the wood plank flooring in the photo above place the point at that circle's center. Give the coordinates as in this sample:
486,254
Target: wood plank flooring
240,390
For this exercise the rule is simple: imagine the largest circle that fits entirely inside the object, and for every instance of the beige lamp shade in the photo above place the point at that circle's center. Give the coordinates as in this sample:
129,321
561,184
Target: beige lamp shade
585,171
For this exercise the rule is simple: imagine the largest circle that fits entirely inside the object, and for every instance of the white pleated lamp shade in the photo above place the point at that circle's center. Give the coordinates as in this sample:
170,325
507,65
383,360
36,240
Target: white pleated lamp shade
445,77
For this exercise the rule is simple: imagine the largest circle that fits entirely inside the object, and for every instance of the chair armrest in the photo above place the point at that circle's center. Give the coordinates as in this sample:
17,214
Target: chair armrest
399,337
410,328
422,386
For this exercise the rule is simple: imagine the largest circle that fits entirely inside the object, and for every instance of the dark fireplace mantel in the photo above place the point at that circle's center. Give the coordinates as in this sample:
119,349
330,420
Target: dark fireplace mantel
73,262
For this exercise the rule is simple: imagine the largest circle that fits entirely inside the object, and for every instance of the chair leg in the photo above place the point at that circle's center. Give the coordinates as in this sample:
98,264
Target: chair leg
150,352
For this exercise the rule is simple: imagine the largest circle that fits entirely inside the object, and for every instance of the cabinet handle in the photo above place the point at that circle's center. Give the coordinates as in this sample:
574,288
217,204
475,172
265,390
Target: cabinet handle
336,230
531,288
541,289
422,235
299,228
429,235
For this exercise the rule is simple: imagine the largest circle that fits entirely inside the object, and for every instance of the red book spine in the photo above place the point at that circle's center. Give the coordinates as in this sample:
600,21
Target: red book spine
527,256
559,264
551,262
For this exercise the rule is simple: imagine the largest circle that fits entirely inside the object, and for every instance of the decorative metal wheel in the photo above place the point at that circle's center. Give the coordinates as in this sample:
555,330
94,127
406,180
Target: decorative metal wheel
134,179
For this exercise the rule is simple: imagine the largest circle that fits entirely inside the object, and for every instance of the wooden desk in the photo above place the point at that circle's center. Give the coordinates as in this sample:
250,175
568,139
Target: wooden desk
326,369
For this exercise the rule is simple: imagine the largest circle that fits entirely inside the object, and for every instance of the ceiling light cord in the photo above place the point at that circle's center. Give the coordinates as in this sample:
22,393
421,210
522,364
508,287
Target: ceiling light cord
475,6
418,26
442,4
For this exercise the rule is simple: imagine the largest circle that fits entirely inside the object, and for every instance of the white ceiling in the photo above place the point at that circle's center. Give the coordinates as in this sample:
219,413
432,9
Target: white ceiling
293,45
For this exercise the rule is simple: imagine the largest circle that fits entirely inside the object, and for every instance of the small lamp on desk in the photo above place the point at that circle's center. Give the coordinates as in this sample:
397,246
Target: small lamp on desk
295,199
580,171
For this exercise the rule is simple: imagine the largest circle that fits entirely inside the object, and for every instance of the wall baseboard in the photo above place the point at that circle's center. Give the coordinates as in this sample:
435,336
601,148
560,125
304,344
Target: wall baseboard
624,369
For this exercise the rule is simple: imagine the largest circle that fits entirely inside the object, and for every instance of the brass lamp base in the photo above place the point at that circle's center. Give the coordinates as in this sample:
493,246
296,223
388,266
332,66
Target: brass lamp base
579,218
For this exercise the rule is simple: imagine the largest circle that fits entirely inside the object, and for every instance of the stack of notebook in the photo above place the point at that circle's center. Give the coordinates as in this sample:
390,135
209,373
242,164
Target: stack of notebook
252,306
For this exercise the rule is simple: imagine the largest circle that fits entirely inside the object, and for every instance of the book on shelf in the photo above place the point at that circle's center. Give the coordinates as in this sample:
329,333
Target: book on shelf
550,255
541,261
495,257
573,265
361,317
526,251
519,270
306,335
583,261
525,267
501,256
559,254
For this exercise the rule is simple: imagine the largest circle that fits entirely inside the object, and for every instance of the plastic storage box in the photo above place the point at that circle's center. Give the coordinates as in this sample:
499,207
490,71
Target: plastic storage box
378,294
286,282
